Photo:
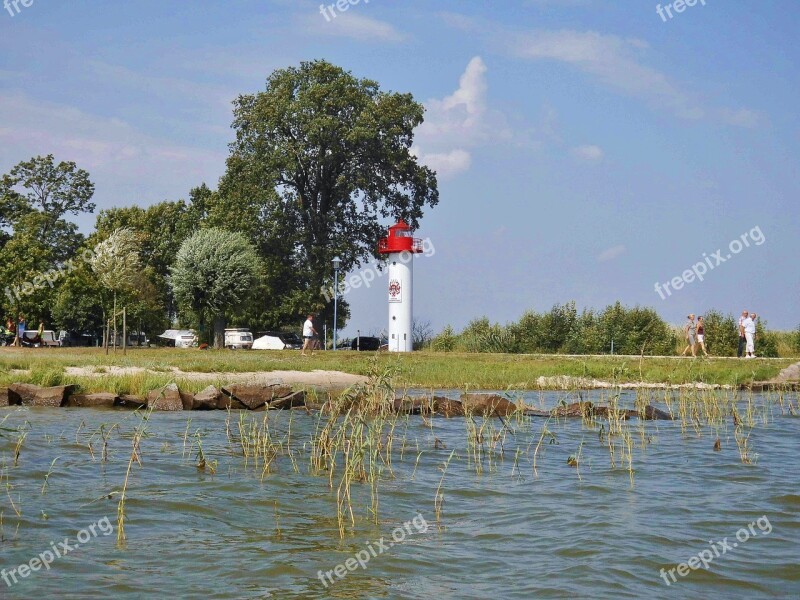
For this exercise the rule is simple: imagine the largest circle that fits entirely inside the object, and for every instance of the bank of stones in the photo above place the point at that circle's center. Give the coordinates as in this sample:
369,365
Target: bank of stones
171,398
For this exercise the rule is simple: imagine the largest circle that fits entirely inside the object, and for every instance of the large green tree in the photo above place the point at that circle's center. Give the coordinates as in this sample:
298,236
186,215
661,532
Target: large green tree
215,273
37,242
319,158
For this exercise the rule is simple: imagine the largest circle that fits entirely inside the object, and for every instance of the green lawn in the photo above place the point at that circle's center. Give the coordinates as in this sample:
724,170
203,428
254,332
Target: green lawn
420,369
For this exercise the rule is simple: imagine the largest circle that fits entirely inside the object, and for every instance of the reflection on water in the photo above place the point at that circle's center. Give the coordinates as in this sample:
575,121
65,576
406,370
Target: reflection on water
604,527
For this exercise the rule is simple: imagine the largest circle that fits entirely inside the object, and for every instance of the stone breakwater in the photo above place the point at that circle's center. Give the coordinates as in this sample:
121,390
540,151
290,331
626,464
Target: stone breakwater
260,397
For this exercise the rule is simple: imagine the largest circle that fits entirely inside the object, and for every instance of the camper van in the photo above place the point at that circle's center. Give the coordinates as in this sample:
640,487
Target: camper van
180,338
238,339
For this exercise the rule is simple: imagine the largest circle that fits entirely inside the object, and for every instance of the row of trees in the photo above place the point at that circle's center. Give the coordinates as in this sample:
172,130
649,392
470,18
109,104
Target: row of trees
564,330
319,159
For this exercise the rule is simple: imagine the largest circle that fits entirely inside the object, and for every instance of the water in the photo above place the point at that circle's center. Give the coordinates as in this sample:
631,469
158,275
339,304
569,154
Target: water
504,533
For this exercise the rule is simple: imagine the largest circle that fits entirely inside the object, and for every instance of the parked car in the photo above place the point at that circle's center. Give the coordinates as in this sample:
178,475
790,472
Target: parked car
49,339
180,338
277,340
365,344
238,339
73,338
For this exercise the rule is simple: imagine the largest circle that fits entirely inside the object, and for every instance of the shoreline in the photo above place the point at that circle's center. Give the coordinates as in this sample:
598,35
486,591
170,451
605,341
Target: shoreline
141,370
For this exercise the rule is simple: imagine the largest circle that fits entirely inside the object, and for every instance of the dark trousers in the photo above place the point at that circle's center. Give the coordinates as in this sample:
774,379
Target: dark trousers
742,344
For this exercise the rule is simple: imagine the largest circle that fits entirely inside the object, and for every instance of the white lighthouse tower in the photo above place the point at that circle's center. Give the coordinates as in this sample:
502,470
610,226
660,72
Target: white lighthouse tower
400,248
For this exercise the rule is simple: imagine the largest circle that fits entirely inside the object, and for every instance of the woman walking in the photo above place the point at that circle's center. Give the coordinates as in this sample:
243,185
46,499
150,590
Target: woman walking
701,335
690,330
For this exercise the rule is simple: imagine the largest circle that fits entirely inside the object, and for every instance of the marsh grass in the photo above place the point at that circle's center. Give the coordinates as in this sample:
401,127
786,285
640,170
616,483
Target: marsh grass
418,369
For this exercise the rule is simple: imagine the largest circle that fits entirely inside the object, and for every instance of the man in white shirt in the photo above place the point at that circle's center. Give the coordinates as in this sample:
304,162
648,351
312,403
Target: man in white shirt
742,338
308,335
749,326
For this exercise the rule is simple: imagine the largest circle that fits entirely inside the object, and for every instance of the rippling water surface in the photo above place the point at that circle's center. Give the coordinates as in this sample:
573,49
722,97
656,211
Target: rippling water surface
595,531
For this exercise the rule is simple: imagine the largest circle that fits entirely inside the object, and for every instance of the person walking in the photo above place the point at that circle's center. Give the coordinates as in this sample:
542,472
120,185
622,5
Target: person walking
308,335
749,326
20,330
701,335
742,338
690,330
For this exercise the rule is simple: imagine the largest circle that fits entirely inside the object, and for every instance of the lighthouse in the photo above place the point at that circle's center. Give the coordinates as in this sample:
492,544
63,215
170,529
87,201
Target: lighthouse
400,247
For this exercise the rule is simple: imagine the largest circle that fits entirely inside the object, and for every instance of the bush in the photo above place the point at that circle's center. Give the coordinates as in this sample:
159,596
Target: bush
563,330
481,336
445,341
766,341
722,333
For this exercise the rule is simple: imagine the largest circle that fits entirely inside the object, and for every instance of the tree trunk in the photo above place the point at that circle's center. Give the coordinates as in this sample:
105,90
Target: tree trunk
219,332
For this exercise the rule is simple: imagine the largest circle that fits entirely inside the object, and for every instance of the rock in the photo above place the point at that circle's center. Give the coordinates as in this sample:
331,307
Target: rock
576,409
447,407
487,405
208,399
4,397
408,405
293,400
22,393
33,395
167,398
255,396
226,402
101,400
187,398
651,413
133,402
603,411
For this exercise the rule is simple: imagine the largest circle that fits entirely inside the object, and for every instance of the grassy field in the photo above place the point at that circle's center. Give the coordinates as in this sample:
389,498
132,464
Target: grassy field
420,369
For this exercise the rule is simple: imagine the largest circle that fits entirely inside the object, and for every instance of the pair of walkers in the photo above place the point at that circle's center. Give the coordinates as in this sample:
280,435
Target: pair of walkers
747,335
695,334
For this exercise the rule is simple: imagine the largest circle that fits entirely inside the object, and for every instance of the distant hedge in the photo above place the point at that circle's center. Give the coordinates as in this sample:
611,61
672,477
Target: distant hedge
564,330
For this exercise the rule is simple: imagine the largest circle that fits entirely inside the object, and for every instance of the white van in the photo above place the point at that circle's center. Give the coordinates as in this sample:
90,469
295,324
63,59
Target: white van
238,339
182,338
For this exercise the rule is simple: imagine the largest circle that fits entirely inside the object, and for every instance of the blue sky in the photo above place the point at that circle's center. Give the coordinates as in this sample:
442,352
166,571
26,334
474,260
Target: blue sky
586,149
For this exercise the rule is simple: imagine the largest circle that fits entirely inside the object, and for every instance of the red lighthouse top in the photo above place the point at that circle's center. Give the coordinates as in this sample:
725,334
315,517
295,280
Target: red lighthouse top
400,240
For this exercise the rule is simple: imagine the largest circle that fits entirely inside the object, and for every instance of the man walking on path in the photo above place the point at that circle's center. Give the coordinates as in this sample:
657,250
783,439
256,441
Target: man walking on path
749,326
742,338
308,335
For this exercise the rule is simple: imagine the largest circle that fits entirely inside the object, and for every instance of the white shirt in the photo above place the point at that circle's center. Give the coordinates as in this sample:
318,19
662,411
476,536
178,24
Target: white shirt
749,325
308,328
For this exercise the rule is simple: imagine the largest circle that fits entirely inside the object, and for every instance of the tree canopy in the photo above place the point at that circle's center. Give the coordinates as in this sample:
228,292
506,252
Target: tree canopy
215,272
319,158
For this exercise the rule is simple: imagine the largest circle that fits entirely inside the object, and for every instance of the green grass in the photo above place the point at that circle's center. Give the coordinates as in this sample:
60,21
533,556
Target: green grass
420,369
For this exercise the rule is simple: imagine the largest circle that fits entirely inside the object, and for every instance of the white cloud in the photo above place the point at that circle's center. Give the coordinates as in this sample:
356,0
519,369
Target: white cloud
460,122
447,165
611,59
742,117
589,153
353,25
614,61
611,253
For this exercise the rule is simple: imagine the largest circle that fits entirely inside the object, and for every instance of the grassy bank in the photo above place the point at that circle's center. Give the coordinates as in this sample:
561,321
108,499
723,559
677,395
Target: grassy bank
420,369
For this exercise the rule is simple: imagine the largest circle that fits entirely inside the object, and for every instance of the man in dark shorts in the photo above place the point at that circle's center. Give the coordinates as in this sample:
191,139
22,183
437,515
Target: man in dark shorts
308,335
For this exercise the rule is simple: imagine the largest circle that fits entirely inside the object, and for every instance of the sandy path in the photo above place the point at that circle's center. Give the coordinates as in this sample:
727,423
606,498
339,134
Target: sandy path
317,377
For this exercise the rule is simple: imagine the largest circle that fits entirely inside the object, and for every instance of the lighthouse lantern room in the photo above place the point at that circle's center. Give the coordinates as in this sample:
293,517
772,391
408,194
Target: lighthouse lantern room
400,247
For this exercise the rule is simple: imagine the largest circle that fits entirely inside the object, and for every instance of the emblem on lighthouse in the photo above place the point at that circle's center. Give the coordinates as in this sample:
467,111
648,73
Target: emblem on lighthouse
395,291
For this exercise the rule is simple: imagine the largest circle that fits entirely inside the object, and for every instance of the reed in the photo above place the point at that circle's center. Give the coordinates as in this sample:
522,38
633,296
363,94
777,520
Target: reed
139,432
